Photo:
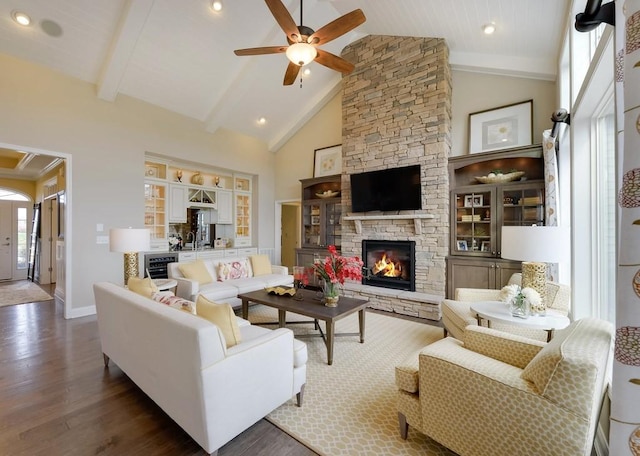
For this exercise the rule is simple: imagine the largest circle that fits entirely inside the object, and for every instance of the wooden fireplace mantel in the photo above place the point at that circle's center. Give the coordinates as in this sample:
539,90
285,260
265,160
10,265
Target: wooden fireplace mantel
357,219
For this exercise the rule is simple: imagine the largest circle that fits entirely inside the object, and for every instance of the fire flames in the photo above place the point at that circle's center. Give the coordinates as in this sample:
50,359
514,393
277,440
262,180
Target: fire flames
386,267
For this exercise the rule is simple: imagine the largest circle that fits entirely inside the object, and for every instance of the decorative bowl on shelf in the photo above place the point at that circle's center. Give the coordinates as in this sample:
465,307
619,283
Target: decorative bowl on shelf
492,178
327,194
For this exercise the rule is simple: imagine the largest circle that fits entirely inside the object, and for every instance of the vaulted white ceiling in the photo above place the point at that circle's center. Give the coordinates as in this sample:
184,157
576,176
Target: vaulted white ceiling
178,54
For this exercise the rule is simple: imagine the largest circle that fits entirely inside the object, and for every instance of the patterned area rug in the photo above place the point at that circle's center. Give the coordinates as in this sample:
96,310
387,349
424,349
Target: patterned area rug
349,408
20,292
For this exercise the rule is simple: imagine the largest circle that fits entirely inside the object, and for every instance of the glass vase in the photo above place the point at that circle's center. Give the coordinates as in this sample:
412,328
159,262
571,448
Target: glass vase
520,308
331,293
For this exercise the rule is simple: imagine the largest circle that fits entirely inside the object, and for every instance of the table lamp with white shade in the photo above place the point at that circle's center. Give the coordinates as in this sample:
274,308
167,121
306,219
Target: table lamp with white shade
129,241
535,246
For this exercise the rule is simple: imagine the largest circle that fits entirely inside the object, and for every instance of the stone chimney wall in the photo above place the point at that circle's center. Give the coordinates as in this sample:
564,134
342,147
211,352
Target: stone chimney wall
396,112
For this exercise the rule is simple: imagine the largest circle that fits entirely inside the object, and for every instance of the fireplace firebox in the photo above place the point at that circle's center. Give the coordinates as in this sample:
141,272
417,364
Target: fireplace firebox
389,264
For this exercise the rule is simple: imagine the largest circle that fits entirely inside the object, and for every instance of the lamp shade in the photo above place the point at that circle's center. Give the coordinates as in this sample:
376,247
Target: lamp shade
301,53
127,240
541,244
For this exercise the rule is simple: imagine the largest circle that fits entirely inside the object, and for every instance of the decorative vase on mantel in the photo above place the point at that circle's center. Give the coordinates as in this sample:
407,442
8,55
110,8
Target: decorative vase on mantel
331,293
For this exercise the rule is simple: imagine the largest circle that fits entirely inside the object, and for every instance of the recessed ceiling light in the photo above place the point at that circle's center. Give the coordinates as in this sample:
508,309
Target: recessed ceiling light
21,18
262,121
216,5
488,29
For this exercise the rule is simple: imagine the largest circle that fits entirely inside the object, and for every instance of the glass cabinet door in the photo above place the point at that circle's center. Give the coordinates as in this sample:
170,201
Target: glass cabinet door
155,210
522,206
311,225
474,223
332,225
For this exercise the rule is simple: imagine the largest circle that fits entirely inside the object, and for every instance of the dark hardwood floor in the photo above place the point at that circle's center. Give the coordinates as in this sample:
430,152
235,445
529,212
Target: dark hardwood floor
56,397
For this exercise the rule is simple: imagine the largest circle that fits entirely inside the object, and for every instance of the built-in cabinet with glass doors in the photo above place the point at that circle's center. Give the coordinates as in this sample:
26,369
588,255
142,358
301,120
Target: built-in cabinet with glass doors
321,219
479,210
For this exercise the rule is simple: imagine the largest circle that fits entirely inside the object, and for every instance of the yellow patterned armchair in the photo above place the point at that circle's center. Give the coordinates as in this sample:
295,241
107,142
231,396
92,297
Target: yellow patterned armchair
501,394
457,315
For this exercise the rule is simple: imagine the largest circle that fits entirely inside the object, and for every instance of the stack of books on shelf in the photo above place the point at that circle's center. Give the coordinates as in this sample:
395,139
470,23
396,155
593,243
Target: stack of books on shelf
471,218
530,200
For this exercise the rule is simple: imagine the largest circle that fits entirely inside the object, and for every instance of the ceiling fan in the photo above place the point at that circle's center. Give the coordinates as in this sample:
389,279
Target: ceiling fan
304,42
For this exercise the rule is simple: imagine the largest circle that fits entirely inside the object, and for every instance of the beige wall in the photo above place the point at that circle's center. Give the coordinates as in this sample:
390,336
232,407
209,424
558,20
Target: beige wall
44,110
473,92
294,160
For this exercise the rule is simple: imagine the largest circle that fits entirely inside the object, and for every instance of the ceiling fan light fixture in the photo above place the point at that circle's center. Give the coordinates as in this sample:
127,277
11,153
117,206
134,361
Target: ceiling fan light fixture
21,18
301,53
216,5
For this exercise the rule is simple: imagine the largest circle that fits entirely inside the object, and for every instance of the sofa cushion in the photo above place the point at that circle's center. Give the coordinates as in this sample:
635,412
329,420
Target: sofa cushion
238,269
222,316
144,287
175,301
261,264
197,271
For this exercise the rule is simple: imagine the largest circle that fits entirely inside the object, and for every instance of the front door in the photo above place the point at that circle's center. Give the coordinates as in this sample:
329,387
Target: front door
6,222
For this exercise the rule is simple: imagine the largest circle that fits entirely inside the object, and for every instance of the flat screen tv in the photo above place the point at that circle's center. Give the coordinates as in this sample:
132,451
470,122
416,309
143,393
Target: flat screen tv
393,189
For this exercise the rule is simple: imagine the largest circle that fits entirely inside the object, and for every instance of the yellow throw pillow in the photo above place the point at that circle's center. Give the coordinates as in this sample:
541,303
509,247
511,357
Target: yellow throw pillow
222,316
197,271
144,287
261,265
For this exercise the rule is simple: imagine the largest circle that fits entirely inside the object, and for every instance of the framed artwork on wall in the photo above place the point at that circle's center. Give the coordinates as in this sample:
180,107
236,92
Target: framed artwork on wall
327,161
501,128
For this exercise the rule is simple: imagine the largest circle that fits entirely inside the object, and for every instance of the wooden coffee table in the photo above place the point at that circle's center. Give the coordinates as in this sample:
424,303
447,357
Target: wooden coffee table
308,304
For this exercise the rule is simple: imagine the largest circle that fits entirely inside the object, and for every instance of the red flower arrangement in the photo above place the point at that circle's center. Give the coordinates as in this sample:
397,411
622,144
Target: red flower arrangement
337,269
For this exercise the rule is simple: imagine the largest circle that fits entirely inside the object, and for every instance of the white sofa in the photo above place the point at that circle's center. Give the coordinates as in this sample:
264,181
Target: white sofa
181,361
228,290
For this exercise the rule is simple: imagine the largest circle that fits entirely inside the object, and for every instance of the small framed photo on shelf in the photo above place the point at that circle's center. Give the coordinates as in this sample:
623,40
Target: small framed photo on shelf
315,220
501,128
473,200
462,245
327,161
485,246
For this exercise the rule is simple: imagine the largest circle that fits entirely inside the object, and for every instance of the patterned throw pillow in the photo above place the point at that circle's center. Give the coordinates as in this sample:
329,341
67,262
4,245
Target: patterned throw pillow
175,301
233,270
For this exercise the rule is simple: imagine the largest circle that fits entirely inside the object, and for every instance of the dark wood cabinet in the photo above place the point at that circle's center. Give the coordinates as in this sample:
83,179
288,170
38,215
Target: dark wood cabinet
479,210
321,219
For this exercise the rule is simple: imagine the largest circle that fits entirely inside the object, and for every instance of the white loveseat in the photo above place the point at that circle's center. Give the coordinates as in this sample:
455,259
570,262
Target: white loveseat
181,361
227,290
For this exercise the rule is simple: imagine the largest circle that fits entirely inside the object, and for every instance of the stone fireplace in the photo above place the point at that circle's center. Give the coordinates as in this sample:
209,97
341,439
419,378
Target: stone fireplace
396,109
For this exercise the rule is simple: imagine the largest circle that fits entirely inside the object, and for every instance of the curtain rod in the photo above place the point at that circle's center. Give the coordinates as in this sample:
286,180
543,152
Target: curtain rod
594,15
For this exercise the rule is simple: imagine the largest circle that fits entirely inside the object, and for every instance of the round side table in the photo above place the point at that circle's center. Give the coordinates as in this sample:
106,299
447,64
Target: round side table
499,311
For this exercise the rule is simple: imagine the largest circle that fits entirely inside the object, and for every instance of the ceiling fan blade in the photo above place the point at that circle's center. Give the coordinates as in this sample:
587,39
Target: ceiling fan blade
291,74
334,62
261,50
336,28
284,19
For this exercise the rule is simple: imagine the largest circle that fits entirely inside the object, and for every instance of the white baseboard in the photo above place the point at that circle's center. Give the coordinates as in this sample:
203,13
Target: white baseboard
81,312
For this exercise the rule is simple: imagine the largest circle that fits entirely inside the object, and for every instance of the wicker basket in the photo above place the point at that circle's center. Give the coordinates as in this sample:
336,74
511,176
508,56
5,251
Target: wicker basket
500,178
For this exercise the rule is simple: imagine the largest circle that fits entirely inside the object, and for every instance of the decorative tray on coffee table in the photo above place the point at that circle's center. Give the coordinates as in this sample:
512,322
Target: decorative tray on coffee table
281,291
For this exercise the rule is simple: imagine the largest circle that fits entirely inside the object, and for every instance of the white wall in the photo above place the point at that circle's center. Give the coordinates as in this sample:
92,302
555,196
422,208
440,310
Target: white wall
42,109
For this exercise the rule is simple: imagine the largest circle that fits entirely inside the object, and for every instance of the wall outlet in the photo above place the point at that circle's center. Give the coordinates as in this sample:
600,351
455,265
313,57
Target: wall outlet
102,239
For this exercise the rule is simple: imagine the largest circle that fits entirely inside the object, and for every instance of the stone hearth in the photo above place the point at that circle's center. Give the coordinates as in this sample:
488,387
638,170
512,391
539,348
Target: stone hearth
397,112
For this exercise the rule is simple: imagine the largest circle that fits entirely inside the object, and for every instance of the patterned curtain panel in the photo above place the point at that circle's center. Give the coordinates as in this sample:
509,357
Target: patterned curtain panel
550,191
625,412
